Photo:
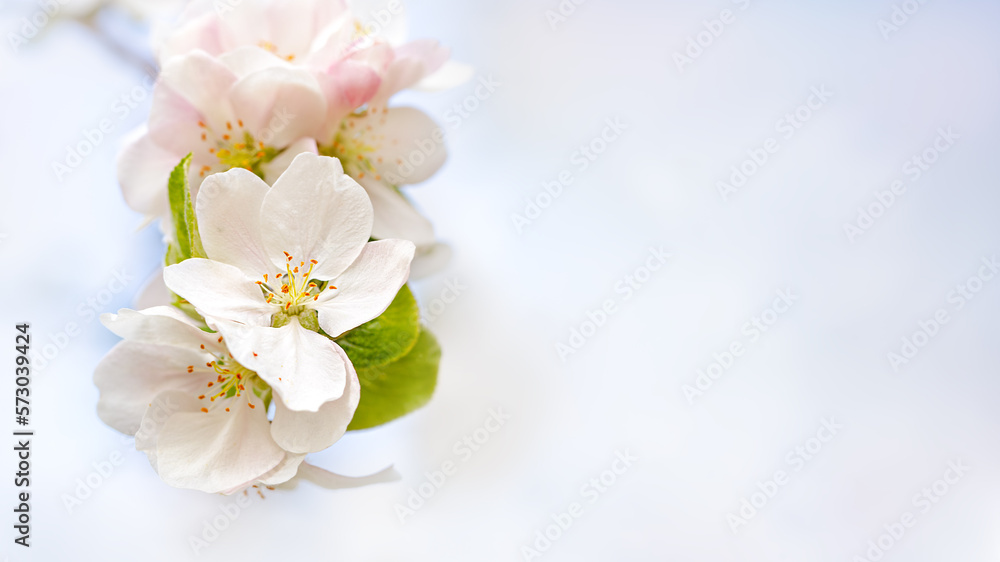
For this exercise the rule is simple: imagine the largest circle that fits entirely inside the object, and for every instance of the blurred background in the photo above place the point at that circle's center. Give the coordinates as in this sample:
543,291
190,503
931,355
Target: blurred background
702,254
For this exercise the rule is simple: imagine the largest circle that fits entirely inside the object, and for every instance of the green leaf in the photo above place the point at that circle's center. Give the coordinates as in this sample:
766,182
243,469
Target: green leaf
188,239
386,338
398,388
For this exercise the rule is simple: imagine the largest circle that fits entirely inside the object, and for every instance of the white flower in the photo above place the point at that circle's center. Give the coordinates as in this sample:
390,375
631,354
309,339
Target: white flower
285,261
199,415
244,109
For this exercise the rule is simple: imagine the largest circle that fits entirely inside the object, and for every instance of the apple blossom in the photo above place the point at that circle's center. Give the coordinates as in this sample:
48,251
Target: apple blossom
243,109
323,36
198,414
358,71
285,262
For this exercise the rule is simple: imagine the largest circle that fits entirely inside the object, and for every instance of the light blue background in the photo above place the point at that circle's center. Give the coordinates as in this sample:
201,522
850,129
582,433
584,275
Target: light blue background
524,293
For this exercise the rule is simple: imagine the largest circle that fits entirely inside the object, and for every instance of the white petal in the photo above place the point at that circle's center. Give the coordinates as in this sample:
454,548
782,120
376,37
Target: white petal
132,374
367,288
279,105
155,416
246,60
204,83
290,26
220,291
285,471
408,145
395,216
414,61
274,168
331,481
309,432
302,367
316,212
143,171
228,209
193,33
162,325
216,451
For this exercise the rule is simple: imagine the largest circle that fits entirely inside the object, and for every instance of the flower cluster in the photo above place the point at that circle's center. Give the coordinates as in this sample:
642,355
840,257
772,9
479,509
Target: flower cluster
274,162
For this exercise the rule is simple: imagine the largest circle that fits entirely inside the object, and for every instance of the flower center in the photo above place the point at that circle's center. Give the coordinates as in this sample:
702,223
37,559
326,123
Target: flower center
273,49
350,147
296,287
235,148
231,381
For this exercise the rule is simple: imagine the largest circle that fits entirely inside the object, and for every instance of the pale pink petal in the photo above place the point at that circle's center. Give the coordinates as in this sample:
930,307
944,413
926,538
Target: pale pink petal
246,60
414,61
195,33
347,86
203,82
339,40
143,171
408,145
279,105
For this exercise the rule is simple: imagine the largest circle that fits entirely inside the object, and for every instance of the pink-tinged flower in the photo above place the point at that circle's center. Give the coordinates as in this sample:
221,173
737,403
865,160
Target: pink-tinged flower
384,149
356,71
201,417
323,36
285,261
244,109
